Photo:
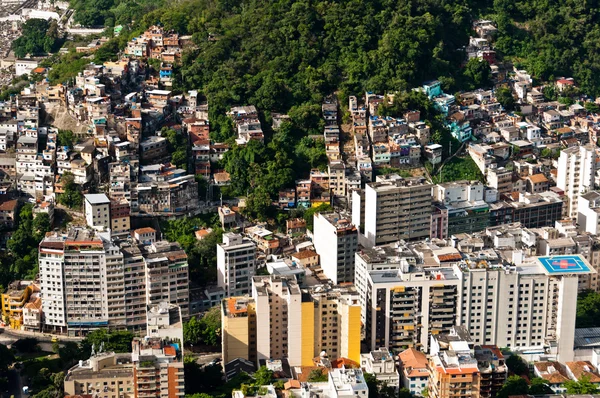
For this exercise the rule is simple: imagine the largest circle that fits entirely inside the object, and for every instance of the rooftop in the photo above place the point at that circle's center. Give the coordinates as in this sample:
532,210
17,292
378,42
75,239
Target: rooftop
97,198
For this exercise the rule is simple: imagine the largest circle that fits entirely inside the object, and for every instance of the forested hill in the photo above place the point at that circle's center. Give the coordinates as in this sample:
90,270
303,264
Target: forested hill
552,38
279,53
275,54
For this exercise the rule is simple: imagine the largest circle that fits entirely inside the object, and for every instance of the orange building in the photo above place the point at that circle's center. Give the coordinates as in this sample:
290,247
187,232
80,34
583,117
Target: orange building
454,373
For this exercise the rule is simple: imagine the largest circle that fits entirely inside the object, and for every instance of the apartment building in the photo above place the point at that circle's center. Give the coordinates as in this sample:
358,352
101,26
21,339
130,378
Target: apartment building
238,331
97,211
453,372
414,371
379,258
459,207
456,348
576,173
404,307
336,323
280,320
88,281
340,383
529,307
167,275
277,330
236,264
588,212
178,195
500,179
396,208
106,374
135,286
336,241
73,281
154,368
119,217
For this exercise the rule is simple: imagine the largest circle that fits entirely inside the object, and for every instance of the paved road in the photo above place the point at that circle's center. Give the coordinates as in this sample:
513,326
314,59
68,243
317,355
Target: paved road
15,385
18,334
207,358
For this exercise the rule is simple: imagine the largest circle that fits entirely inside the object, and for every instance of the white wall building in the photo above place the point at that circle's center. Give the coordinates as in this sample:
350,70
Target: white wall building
236,264
396,208
278,324
529,308
336,241
588,212
97,211
25,66
381,364
576,173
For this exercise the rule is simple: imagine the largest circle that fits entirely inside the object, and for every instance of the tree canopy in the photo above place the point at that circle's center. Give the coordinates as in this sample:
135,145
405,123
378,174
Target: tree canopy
588,309
206,330
39,37
515,385
551,39
581,386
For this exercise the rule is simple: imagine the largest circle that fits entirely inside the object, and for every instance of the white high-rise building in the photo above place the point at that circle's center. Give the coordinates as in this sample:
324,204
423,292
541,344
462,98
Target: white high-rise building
576,173
529,308
236,264
87,281
278,303
335,240
51,264
396,208
73,277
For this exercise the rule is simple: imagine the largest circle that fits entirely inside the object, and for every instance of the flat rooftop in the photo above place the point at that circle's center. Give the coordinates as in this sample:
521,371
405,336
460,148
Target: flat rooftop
560,265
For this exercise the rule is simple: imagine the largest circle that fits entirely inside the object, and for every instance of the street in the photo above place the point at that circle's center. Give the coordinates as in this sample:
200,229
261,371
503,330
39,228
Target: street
207,358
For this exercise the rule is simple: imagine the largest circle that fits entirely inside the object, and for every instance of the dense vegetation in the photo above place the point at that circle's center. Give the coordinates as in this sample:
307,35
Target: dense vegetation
459,168
552,38
20,261
202,255
588,309
279,54
206,330
39,37
110,13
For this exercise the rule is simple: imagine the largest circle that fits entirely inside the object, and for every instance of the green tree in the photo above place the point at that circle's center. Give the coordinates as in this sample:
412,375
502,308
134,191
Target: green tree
116,341
516,365
41,225
477,73
35,39
591,107
258,204
192,331
263,376
6,358
588,309
211,327
404,393
581,387
69,352
515,385
317,375
309,214
539,386
505,97
550,92
66,138
27,345
72,196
